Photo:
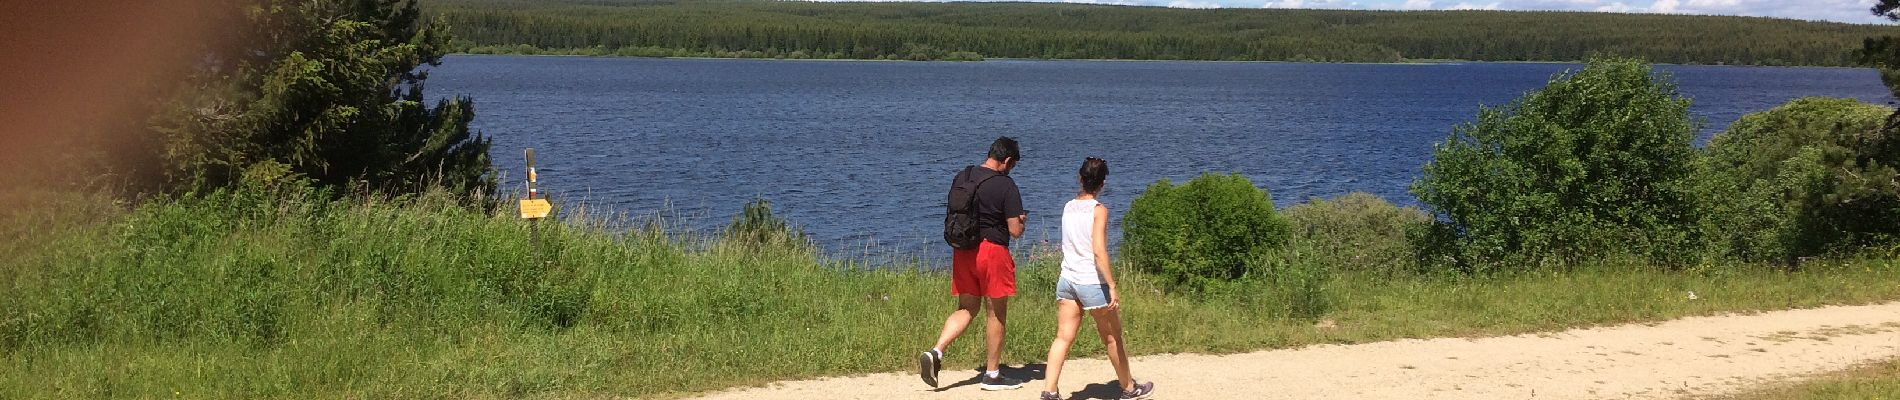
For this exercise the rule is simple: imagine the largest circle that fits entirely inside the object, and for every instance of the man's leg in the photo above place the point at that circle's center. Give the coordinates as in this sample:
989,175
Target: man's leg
999,282
993,335
967,308
966,285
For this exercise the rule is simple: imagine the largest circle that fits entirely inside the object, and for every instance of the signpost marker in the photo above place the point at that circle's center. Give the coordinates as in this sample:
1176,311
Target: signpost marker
534,208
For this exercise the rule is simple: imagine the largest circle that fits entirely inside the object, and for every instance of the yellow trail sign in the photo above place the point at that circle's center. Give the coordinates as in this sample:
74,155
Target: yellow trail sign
535,208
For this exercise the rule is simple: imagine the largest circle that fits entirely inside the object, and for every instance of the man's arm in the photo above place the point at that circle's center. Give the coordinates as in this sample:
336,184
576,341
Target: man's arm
1013,205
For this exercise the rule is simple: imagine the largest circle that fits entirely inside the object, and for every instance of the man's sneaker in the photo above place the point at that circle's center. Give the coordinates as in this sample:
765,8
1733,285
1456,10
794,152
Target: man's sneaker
928,364
1051,396
1000,383
1141,391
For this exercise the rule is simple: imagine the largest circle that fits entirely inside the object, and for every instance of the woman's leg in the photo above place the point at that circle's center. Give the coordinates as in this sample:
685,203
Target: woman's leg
1108,323
1068,320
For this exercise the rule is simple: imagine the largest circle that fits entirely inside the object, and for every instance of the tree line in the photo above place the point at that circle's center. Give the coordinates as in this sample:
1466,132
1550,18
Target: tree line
784,29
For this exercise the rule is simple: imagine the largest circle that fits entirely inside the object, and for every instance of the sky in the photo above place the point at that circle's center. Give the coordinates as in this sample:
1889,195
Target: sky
1851,11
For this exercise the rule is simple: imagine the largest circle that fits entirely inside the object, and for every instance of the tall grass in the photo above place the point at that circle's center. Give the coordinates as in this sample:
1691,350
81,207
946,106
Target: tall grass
288,294
1880,380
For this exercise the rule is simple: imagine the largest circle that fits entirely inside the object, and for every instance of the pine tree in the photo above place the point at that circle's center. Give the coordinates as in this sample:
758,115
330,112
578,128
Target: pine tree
1884,52
327,90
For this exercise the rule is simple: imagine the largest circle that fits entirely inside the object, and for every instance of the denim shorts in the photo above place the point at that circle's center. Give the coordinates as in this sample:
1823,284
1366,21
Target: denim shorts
1089,296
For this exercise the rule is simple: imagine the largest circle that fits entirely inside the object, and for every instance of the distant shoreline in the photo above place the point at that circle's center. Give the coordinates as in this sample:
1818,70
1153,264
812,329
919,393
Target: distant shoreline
1404,62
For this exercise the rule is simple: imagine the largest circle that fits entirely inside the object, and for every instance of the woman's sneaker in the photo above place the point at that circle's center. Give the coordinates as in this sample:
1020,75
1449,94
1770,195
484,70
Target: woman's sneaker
1141,391
1050,396
1000,383
928,364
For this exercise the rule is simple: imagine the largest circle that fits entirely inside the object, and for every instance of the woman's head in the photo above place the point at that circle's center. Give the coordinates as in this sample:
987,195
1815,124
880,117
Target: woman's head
1094,171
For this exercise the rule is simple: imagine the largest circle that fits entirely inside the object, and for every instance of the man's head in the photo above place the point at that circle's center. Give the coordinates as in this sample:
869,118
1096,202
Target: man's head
1005,154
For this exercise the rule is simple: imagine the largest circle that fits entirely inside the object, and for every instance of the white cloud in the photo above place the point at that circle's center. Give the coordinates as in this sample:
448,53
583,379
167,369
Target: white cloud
1416,5
1854,11
1193,4
1829,10
1617,7
1106,2
1314,4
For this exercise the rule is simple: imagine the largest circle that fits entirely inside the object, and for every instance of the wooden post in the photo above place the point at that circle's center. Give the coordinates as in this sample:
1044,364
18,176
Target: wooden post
534,224
534,208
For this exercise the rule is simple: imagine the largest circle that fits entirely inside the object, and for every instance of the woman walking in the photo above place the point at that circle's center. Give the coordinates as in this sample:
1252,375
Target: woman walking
1088,285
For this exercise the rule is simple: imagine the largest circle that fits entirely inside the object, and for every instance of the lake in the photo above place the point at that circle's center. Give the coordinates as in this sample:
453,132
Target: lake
860,153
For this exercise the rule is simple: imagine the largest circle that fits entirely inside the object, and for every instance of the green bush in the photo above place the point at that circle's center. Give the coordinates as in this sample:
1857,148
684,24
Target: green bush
963,56
1358,231
1806,178
1207,230
756,225
1288,282
1595,164
328,89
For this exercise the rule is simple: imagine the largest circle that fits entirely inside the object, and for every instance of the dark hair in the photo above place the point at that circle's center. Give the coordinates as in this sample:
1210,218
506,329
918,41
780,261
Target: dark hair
1003,148
1094,170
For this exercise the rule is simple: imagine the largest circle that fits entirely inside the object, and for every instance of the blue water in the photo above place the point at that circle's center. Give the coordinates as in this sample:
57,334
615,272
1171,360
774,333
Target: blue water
860,153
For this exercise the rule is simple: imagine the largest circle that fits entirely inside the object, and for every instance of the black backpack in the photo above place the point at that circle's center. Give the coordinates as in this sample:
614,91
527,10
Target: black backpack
959,218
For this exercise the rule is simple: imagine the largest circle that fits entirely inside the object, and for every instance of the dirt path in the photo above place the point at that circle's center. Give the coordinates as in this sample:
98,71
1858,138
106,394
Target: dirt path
1691,356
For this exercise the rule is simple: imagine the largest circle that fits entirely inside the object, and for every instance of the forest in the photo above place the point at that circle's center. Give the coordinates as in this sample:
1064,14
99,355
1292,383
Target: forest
970,31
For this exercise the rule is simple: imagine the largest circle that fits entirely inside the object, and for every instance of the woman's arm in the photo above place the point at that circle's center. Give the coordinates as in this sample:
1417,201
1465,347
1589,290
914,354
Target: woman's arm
1100,239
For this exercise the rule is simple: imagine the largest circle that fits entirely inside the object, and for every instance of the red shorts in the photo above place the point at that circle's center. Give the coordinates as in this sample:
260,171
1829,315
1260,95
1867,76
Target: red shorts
986,271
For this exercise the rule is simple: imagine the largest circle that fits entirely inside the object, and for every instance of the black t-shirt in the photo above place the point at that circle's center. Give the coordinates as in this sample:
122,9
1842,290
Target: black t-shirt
997,200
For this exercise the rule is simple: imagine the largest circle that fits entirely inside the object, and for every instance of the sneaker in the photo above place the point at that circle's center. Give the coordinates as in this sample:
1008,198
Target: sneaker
1141,391
1051,396
1000,383
928,364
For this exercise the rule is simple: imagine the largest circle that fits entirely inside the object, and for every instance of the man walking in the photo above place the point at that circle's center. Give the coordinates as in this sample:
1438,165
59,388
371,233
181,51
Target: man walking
984,273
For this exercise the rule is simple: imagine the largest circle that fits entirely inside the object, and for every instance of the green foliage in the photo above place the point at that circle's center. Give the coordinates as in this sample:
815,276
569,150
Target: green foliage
1209,230
1068,31
1290,282
1358,231
914,54
1595,164
1811,176
757,225
294,294
1876,380
328,88
1883,52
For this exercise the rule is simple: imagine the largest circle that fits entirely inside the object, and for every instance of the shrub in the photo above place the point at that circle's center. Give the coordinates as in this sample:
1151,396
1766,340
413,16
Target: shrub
963,56
1594,164
1803,179
1209,229
330,89
1357,231
1288,282
756,225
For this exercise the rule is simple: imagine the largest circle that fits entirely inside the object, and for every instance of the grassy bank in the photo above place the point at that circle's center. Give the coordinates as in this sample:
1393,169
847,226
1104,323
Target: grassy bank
1873,381
282,295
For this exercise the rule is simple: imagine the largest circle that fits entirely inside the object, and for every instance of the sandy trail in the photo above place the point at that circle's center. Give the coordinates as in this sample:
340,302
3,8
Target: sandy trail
1690,356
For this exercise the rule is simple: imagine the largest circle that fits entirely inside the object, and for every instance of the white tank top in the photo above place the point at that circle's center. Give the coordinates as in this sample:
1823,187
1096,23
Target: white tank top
1078,243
